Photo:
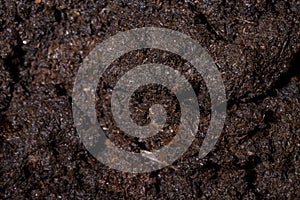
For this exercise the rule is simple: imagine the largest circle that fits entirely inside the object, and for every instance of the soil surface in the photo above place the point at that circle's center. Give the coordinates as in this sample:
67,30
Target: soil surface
255,45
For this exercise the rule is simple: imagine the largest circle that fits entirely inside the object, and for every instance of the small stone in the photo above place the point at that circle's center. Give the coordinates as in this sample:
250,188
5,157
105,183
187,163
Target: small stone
26,41
250,153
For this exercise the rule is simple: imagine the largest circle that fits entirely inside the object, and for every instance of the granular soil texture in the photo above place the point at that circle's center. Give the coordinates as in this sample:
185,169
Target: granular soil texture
255,45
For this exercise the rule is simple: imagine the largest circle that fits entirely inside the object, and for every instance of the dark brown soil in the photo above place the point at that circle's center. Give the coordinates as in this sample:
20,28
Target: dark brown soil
255,45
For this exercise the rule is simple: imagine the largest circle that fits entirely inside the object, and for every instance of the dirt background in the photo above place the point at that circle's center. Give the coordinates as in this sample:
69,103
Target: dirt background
255,45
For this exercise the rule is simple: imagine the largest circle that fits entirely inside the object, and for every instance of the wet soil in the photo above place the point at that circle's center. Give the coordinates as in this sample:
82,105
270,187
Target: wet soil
255,45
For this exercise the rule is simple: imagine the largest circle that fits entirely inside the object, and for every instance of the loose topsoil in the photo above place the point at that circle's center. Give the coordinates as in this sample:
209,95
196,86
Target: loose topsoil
255,45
